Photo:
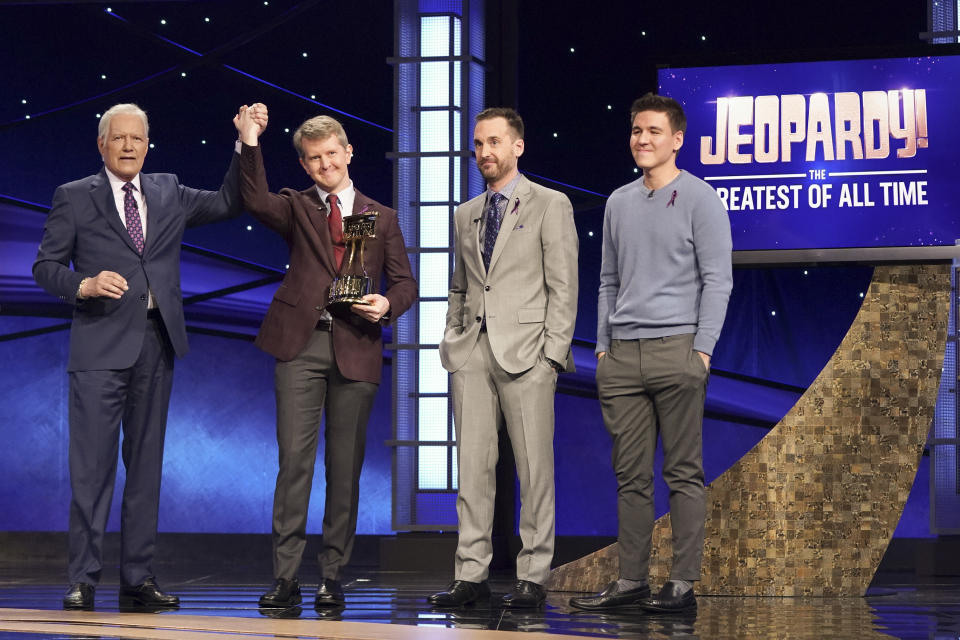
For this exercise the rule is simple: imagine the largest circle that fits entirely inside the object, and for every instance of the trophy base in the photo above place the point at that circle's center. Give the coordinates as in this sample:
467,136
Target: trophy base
348,301
349,290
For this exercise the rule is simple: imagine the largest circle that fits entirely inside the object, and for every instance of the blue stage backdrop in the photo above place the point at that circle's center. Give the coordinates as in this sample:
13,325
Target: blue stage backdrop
221,453
195,62
220,461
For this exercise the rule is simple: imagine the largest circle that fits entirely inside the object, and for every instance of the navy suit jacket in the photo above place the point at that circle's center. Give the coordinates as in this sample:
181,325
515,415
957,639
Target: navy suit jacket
84,227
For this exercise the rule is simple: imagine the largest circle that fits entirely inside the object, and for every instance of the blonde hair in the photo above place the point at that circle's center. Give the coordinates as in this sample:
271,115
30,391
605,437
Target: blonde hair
319,128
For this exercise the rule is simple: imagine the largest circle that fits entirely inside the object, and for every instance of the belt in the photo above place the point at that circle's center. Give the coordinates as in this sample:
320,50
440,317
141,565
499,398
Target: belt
324,325
154,314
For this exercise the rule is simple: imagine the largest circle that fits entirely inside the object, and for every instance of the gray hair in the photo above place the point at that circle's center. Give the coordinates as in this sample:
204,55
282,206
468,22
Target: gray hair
319,128
127,108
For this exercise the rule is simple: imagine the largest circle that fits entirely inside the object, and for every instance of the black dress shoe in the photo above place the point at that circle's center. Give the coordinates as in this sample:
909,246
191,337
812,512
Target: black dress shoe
611,598
460,593
79,596
284,593
524,595
333,612
329,594
147,594
280,613
671,599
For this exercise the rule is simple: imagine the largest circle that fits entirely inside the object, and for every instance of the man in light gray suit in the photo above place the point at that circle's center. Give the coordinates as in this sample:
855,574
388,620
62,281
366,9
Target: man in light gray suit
512,307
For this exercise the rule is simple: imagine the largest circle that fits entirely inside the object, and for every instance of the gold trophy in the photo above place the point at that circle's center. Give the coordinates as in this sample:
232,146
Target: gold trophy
353,282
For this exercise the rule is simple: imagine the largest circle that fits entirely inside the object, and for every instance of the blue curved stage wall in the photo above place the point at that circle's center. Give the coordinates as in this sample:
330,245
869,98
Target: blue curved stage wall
221,454
220,459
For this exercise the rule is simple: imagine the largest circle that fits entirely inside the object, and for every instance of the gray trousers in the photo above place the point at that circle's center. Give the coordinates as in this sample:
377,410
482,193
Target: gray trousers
649,387
306,387
484,395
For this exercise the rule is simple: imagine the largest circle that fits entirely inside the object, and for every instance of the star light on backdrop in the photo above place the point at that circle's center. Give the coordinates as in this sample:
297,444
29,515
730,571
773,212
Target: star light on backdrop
218,51
211,56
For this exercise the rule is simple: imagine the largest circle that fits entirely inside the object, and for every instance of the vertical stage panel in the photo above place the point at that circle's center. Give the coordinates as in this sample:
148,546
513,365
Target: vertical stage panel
811,509
439,80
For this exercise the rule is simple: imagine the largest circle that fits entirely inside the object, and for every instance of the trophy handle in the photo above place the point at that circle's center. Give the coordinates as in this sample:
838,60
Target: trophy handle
353,248
363,265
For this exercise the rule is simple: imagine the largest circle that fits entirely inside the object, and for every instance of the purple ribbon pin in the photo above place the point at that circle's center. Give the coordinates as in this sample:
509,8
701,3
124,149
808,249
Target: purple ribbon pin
673,198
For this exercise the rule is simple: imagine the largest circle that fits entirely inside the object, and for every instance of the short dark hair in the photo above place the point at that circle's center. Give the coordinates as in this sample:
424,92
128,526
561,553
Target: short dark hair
512,117
660,104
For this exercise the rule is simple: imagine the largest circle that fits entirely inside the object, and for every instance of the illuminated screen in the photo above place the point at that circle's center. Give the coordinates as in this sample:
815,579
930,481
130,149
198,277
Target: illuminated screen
824,155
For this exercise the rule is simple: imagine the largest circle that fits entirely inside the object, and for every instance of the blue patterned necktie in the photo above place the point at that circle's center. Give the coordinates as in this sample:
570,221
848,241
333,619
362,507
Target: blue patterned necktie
491,227
131,214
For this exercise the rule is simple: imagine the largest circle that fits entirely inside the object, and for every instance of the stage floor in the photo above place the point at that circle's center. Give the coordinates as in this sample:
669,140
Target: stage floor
390,605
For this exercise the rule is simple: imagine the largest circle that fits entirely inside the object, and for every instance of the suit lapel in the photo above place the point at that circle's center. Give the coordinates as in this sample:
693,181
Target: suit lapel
472,246
361,202
152,197
511,216
105,204
318,218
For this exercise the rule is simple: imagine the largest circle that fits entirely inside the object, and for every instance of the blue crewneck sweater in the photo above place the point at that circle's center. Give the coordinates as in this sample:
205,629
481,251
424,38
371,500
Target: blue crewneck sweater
666,267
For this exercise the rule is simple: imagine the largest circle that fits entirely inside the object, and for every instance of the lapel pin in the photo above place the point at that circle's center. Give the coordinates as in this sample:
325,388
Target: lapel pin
673,198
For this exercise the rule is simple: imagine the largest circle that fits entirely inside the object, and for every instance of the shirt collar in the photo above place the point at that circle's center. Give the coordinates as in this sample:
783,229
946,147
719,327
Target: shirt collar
117,183
507,190
344,195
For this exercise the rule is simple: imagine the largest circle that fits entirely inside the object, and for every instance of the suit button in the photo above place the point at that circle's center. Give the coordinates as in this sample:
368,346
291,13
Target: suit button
486,288
143,296
479,319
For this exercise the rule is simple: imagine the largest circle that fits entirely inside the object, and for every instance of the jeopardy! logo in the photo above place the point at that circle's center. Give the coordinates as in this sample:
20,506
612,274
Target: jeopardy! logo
819,129
868,125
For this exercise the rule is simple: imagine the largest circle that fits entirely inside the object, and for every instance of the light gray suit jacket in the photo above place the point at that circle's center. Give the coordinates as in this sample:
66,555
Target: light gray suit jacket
529,294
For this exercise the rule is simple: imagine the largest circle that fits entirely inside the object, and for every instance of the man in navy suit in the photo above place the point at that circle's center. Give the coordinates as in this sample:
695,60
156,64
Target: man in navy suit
122,230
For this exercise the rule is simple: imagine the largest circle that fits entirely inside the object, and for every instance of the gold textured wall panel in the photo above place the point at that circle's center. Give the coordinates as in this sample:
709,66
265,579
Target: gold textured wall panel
811,508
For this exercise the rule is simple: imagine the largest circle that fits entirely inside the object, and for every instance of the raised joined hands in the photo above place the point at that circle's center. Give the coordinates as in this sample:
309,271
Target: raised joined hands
250,122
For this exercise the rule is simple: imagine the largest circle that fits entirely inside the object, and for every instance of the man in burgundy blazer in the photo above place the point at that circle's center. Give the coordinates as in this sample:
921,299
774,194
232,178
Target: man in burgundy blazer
327,359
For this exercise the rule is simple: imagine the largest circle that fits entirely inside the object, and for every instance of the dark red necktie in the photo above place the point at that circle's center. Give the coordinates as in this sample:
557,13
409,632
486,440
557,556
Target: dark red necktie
335,221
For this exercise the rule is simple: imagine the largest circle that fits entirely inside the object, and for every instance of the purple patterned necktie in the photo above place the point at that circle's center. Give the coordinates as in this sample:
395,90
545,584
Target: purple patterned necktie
491,227
131,214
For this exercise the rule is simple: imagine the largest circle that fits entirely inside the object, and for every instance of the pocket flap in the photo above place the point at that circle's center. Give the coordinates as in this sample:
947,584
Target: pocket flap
531,315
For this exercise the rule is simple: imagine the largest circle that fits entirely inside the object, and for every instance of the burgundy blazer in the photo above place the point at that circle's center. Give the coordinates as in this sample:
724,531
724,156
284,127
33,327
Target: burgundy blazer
300,217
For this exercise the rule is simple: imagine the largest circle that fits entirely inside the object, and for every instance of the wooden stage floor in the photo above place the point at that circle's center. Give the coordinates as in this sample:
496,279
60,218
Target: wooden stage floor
391,606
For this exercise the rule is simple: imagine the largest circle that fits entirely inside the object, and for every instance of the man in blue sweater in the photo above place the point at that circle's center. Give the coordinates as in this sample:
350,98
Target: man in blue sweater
665,280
